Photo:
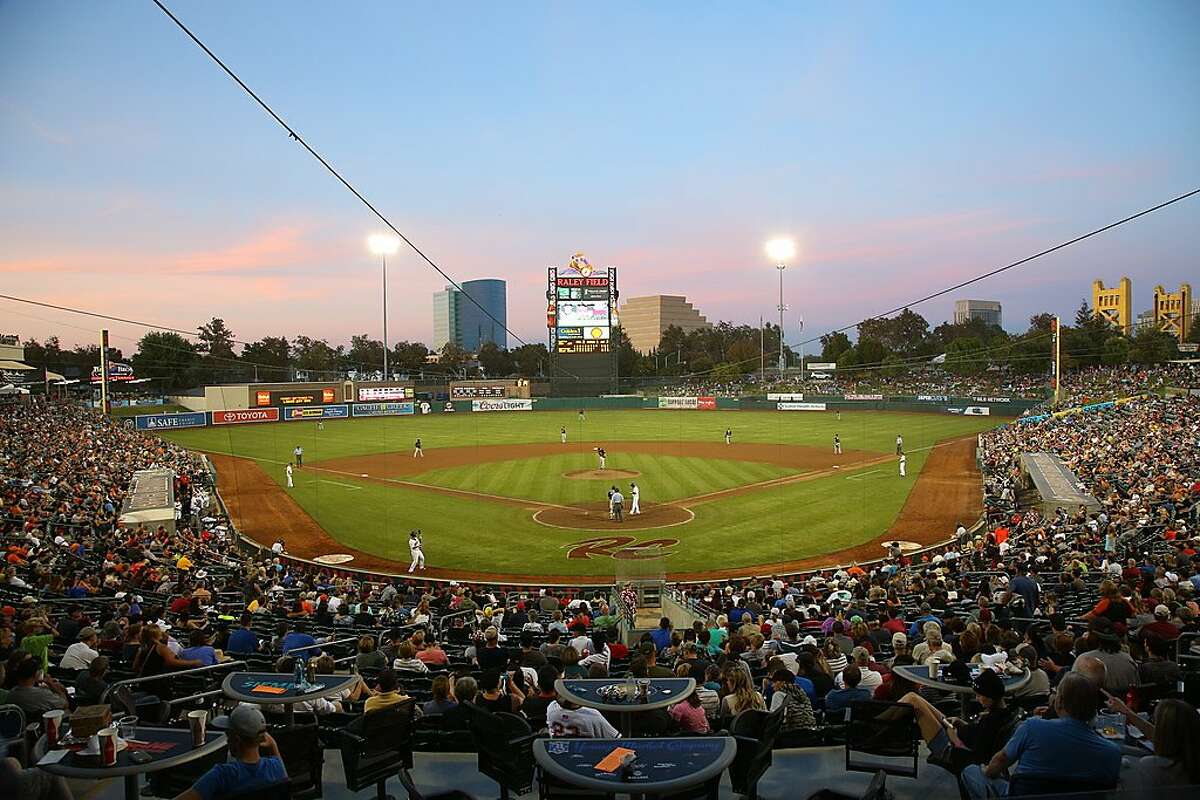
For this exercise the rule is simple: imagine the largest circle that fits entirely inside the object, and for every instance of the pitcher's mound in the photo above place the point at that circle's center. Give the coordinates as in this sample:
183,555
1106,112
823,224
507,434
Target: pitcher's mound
600,474
594,517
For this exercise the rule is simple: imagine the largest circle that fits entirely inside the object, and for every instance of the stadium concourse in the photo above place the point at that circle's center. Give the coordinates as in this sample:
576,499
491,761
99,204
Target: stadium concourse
1066,639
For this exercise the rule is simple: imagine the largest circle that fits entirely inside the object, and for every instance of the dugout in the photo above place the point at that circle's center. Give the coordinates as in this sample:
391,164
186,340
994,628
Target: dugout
150,500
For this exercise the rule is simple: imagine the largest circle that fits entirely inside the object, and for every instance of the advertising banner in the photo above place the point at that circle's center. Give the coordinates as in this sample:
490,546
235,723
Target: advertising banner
679,402
706,403
786,406
383,409
376,393
502,405
824,366
933,398
972,411
992,399
471,392
295,397
291,414
116,372
153,422
245,415
793,397
863,397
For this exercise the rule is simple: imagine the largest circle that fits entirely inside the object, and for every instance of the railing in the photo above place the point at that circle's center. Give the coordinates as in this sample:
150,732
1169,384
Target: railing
319,645
169,676
465,614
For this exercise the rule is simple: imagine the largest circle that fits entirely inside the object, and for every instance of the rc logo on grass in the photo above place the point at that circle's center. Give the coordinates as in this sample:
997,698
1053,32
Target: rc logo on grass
623,548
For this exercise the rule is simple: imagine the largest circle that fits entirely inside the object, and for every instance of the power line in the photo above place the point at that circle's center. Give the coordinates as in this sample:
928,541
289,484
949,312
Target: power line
291,132
1007,267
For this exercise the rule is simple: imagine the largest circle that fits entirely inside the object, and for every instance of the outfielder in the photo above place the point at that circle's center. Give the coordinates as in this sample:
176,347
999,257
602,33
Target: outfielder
288,469
635,499
320,424
837,445
562,434
728,436
417,451
903,464
414,550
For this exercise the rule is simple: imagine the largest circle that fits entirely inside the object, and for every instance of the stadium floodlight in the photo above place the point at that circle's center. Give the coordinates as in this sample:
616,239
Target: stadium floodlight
384,245
781,250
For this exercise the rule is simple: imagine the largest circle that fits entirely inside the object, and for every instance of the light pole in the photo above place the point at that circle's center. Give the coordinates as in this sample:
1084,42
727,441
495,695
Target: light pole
780,250
384,245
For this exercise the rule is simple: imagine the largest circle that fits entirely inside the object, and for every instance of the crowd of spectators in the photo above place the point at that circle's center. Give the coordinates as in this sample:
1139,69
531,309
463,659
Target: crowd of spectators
1099,606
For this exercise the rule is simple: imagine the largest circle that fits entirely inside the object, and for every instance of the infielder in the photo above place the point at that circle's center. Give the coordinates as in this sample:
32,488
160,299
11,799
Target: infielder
728,436
903,464
288,469
414,550
837,445
899,444
299,454
320,424
582,416
635,499
417,451
602,455
562,434
839,415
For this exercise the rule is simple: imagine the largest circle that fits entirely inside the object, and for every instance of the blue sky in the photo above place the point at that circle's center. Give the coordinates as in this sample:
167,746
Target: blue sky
905,147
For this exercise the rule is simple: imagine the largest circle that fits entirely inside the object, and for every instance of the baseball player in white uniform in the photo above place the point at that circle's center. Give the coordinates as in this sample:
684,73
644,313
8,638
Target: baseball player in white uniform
635,499
414,550
288,469
602,455
903,465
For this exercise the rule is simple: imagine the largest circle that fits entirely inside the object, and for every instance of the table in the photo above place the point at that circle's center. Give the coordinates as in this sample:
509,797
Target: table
661,766
590,692
169,748
240,686
919,674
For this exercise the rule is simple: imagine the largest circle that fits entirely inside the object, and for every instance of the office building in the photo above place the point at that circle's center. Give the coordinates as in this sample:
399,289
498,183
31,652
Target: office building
988,311
1173,310
645,318
457,319
1115,304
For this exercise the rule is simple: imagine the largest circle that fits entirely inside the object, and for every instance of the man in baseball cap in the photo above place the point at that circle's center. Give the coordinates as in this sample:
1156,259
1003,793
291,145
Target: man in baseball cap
1161,627
247,769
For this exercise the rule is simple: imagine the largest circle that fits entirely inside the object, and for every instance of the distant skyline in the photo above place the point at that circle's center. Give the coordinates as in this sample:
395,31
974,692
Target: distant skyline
905,148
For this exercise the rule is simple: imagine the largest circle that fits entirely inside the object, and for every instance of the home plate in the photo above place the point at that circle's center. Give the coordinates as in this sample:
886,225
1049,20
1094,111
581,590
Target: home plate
363,475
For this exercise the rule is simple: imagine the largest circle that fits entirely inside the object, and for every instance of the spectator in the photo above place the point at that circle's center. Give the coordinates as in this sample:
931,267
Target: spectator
491,656
200,650
798,714
1121,671
535,705
442,700
407,661
564,718
1062,749
498,692
933,647
387,693
92,683
661,636
247,769
838,700
36,693
243,640
1176,737
368,656
81,653
739,694
957,742
689,715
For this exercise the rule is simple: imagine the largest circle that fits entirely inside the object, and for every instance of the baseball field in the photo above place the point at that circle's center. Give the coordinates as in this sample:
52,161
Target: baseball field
499,495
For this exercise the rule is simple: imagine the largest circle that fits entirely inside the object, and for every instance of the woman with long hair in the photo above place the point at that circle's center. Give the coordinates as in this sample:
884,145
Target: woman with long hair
739,694
1176,736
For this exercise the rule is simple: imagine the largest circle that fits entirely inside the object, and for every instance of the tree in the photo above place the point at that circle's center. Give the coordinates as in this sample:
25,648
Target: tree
531,359
833,345
495,362
627,357
1152,346
168,356
1116,350
216,339
452,357
408,357
963,357
366,354
316,356
268,359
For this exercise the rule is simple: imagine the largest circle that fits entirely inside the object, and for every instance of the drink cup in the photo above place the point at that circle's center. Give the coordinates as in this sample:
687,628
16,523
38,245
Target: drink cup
197,721
933,668
52,723
108,746
127,726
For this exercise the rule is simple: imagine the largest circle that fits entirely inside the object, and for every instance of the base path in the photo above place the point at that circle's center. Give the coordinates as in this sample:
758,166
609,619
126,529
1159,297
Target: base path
947,491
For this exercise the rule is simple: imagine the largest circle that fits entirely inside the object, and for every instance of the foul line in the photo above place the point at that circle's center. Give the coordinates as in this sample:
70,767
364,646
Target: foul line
349,486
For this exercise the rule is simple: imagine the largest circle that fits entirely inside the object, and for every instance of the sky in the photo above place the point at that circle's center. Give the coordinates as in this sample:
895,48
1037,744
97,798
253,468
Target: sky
905,147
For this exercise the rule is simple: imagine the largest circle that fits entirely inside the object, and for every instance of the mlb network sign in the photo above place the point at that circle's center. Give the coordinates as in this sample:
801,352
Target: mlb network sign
154,422
382,409
502,405
292,413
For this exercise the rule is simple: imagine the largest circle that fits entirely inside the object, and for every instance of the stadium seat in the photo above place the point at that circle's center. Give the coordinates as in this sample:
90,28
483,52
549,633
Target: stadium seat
505,746
892,740
755,732
378,748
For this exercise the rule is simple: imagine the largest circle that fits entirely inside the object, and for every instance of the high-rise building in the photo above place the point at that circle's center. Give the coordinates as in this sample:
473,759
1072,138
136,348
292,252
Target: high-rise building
988,311
1173,310
457,319
1115,304
645,318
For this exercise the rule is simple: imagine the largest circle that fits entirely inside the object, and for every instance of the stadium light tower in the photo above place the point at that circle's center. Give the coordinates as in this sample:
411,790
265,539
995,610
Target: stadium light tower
384,245
780,251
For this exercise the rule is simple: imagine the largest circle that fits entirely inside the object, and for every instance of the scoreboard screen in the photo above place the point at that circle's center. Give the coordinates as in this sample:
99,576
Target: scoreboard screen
580,307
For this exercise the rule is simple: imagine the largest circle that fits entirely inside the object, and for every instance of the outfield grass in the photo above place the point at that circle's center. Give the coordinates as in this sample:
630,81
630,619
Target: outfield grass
780,523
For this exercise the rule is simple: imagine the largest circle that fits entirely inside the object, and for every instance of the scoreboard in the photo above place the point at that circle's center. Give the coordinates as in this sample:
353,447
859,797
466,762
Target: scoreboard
581,307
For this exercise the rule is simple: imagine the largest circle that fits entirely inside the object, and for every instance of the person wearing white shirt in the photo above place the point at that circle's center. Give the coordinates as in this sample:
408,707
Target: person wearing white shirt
566,719
80,654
